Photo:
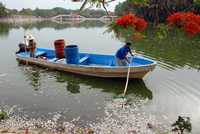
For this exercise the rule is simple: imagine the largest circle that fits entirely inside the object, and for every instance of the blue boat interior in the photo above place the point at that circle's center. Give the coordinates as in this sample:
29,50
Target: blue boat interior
87,59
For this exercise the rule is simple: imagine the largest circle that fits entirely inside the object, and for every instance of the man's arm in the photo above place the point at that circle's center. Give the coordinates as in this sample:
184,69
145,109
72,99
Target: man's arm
127,59
130,52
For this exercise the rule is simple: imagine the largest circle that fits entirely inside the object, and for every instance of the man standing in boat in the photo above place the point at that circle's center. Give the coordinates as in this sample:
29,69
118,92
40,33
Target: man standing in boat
121,55
32,47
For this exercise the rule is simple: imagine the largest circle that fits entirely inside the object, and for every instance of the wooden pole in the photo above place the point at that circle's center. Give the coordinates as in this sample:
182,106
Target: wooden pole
127,78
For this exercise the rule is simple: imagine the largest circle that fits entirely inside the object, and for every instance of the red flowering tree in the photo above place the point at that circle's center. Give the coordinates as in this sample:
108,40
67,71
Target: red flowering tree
129,25
187,21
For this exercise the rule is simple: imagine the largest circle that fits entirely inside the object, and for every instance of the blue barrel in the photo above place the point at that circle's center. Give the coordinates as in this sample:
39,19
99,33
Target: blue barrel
72,54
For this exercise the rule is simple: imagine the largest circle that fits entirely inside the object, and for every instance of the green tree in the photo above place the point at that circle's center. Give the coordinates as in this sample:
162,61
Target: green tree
92,13
13,11
157,10
3,10
124,8
27,11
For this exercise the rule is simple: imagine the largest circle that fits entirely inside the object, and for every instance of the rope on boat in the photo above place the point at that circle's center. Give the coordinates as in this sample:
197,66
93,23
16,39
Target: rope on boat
127,77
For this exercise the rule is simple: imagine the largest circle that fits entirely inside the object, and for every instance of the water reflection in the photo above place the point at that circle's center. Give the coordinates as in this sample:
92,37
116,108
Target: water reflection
33,76
114,86
74,82
5,27
175,51
73,87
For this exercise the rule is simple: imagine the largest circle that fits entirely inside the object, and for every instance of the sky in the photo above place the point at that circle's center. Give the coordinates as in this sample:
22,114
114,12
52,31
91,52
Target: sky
48,4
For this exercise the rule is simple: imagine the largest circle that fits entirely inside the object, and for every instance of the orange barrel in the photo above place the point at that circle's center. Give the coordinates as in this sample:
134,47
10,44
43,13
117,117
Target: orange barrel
59,48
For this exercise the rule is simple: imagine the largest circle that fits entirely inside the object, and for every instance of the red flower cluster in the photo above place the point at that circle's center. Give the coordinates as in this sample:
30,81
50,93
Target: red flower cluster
188,21
131,20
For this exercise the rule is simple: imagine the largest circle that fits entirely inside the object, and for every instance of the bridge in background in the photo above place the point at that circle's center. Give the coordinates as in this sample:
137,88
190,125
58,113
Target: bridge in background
62,18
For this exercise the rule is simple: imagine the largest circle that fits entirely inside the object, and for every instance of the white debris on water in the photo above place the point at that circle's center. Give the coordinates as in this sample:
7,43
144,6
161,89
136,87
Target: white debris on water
121,117
3,75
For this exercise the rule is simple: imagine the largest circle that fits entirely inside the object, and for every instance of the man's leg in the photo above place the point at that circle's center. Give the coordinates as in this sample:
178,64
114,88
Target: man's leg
121,62
124,62
32,54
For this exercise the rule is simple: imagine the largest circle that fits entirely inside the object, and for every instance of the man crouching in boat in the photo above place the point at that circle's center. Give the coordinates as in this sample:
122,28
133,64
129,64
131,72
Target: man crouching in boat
121,55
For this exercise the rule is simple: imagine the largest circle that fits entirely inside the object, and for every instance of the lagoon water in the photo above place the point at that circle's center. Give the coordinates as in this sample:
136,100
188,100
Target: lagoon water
172,89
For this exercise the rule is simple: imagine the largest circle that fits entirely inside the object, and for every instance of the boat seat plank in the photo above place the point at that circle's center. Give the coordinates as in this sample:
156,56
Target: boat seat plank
53,59
83,59
111,63
37,53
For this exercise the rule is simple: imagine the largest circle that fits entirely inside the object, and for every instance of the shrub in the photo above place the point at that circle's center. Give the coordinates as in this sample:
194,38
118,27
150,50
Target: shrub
187,21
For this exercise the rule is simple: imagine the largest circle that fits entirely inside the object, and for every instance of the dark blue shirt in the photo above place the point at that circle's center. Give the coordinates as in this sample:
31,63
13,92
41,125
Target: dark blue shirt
122,52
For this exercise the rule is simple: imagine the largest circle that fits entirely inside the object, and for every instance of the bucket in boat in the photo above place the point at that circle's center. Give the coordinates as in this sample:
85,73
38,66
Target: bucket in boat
59,48
72,54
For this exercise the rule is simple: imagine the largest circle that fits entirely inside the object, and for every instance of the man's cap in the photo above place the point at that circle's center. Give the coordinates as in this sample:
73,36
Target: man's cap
29,36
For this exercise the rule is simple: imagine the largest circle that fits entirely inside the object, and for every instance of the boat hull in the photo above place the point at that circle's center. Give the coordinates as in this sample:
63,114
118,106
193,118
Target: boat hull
104,72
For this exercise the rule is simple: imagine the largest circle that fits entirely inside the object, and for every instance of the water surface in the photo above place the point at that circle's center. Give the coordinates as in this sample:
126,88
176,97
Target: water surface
173,88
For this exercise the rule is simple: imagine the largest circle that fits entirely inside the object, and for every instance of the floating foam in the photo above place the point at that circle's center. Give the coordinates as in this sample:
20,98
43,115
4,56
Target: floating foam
120,117
3,75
